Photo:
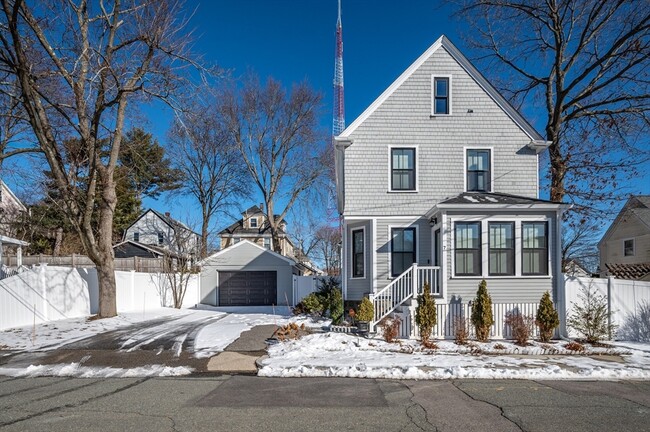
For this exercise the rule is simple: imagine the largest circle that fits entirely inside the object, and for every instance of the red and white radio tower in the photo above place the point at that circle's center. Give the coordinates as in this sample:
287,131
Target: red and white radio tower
339,109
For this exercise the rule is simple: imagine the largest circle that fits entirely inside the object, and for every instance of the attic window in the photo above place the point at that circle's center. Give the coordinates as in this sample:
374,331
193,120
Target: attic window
628,247
136,236
161,238
441,95
253,222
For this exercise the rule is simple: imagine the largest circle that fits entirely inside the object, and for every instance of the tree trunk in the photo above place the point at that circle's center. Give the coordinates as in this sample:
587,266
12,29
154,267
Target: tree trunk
58,241
104,259
204,235
558,164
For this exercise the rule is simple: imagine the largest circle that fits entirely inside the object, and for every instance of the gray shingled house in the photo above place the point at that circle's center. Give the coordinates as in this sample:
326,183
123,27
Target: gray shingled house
437,181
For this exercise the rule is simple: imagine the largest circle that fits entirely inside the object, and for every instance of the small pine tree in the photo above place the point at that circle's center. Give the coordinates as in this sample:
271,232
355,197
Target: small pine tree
425,314
591,318
547,317
482,312
366,310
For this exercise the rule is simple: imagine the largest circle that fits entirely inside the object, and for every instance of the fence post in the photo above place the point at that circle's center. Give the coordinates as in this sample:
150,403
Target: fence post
135,263
610,282
42,280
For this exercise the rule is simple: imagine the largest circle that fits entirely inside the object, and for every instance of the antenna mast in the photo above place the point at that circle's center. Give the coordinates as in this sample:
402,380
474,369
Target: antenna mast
339,110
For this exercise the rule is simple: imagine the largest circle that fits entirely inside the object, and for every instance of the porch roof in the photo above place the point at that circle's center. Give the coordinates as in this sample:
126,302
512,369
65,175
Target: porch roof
12,241
494,201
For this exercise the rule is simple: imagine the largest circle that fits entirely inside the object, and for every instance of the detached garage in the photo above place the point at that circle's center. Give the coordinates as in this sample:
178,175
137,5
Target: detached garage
247,274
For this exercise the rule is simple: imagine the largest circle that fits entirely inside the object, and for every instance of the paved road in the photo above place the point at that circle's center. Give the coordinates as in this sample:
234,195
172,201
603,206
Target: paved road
320,404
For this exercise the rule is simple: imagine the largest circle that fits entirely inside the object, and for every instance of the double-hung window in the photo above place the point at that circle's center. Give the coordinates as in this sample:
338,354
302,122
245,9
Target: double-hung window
402,169
358,254
161,238
441,96
253,222
501,248
534,248
468,248
478,171
136,236
402,250
628,247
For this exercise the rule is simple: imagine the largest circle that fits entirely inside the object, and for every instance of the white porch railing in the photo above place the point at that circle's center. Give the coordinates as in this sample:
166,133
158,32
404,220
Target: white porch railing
403,287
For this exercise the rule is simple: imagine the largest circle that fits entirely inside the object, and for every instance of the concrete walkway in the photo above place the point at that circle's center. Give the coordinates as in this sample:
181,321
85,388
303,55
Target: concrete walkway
240,357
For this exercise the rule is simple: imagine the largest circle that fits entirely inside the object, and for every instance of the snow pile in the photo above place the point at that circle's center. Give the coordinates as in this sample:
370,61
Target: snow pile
76,370
343,355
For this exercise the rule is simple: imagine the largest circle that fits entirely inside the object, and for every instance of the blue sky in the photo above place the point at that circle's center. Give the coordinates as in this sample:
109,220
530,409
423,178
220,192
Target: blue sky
294,41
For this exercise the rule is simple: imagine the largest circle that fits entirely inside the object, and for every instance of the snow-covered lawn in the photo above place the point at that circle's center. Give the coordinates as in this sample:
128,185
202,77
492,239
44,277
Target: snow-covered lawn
343,355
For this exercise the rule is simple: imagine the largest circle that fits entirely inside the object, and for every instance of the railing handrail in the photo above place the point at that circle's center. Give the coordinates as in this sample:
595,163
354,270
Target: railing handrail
400,289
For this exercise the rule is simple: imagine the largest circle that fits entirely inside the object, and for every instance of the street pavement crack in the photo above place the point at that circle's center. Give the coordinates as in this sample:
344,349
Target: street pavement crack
75,405
415,410
503,414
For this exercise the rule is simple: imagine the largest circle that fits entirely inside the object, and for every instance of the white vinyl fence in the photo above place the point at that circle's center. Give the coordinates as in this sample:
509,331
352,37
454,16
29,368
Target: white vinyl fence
623,296
47,293
449,314
303,286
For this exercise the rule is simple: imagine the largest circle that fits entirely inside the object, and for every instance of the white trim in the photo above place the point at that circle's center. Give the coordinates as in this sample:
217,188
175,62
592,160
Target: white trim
390,170
514,115
410,217
465,149
248,242
633,246
443,258
433,90
390,244
537,176
344,260
492,207
374,255
13,195
250,222
365,247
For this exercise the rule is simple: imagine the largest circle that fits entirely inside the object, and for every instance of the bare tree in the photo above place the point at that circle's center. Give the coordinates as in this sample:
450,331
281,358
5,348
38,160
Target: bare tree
179,266
279,140
14,129
328,248
587,63
78,65
211,165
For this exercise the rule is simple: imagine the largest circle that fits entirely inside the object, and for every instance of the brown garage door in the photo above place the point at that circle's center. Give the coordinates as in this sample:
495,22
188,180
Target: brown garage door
247,288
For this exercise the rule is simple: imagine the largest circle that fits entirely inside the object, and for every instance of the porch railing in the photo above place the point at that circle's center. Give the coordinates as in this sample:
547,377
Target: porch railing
404,287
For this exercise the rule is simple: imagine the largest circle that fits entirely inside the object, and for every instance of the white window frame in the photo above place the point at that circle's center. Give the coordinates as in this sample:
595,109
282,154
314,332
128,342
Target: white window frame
365,249
266,240
390,170
491,149
250,222
518,219
413,224
633,247
433,95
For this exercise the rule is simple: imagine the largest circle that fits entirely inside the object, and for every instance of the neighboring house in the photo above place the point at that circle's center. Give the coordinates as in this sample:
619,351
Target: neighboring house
247,274
625,247
254,227
10,209
574,268
130,249
437,181
155,229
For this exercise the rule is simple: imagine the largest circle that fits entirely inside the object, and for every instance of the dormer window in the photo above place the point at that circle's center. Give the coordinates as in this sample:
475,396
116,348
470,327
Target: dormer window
253,222
479,172
441,95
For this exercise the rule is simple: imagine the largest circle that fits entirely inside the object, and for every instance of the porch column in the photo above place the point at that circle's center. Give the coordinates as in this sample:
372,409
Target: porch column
19,256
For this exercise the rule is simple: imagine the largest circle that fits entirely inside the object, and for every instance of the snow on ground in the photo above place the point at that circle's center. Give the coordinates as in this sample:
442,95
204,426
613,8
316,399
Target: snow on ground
215,337
343,355
79,371
52,335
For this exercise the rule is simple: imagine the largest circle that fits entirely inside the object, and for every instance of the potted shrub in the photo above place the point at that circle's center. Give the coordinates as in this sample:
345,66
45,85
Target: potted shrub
365,314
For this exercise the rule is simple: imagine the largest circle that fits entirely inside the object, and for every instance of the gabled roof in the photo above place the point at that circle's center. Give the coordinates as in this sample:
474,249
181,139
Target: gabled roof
629,271
246,242
13,195
172,223
237,227
636,205
446,44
